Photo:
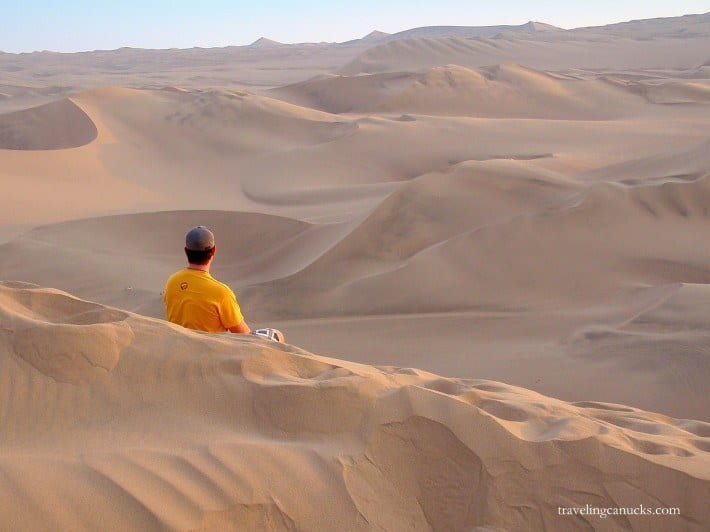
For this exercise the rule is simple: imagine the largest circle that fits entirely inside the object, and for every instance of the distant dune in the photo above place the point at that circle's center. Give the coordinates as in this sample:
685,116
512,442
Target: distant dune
677,43
53,126
263,42
128,258
604,250
675,93
508,255
501,91
427,211
105,418
375,35
468,32
679,27
511,261
212,118
147,149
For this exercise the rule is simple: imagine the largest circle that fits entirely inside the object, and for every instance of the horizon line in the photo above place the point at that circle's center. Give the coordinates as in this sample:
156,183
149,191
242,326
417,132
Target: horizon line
317,43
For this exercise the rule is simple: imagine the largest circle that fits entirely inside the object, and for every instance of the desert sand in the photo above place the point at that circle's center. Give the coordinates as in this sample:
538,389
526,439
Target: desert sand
487,248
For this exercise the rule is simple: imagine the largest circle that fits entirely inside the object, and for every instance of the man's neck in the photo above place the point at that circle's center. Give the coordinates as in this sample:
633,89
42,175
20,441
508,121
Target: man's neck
200,267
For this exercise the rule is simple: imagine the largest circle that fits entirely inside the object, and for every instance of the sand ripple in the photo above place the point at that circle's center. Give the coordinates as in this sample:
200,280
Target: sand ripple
189,431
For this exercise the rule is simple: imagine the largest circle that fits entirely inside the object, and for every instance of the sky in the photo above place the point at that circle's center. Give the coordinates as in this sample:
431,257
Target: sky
79,25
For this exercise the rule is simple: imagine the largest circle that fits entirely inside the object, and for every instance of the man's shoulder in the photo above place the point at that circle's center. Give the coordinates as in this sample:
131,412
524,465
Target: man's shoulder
222,286
205,280
215,285
177,275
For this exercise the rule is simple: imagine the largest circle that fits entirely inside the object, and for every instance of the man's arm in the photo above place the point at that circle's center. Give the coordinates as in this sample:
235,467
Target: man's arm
230,312
242,328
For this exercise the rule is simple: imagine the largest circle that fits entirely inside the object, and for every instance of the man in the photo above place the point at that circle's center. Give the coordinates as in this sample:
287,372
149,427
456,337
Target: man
195,299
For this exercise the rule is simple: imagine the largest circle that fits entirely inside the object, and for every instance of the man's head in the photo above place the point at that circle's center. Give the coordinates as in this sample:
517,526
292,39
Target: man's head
199,245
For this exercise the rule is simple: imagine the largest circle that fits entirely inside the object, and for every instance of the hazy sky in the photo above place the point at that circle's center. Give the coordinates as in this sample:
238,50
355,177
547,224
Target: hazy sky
73,25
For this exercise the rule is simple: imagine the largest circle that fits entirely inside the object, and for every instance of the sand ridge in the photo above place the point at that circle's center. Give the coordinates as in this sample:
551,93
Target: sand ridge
392,445
500,91
53,126
678,42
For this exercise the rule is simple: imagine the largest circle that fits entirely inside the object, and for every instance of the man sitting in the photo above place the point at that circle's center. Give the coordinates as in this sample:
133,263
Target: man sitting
195,299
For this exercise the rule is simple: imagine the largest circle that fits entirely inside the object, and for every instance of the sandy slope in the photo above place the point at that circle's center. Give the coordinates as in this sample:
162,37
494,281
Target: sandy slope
32,79
469,32
150,146
617,54
124,259
672,43
501,91
613,237
107,418
256,153
52,126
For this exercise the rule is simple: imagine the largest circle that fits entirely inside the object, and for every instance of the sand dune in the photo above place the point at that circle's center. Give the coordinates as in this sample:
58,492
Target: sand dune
424,212
677,93
212,118
685,26
374,35
436,143
608,235
610,52
53,126
468,32
686,164
263,42
230,67
126,259
45,184
502,91
600,258
581,251
344,94
381,447
21,96
659,43
150,148
214,114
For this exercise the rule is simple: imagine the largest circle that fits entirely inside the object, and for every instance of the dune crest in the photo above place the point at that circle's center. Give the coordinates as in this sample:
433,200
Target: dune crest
53,126
503,261
380,446
544,50
214,118
507,90
65,339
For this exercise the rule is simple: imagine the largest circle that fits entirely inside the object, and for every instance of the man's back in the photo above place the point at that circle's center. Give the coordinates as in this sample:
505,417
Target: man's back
194,299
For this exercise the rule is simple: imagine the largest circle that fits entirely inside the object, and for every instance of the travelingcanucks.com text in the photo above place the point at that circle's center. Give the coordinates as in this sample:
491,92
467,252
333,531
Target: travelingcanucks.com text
603,512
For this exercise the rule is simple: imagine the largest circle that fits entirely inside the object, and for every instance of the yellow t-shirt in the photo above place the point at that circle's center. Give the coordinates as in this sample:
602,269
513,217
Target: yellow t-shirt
196,300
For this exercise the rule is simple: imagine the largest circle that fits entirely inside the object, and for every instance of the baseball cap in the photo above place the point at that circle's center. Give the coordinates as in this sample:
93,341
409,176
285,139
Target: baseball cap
199,239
